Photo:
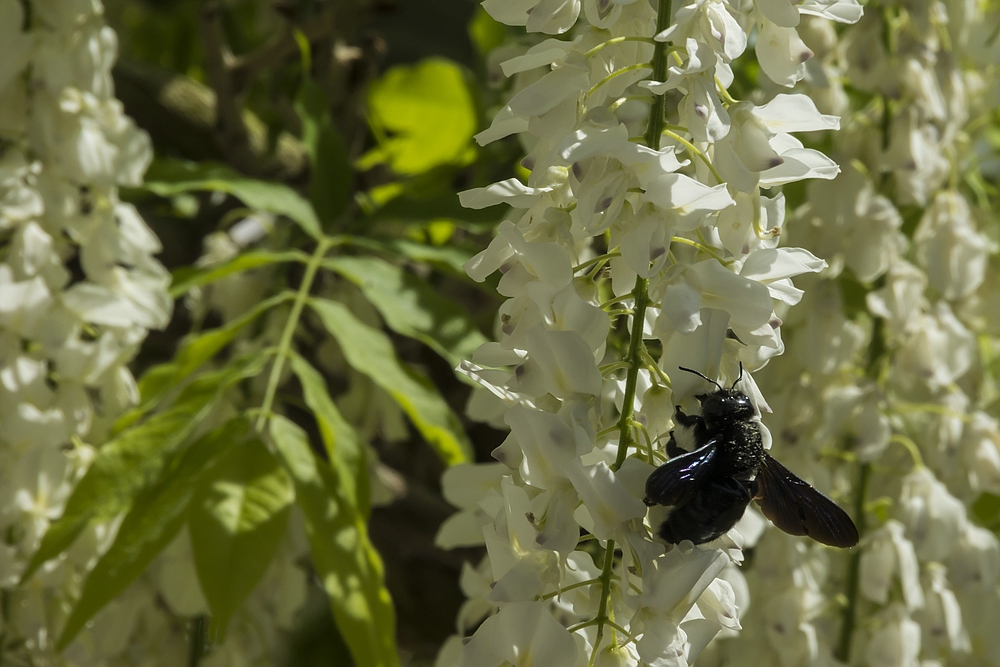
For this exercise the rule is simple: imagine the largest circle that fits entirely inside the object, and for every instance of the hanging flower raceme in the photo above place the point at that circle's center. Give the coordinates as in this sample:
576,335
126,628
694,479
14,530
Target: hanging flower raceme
79,290
670,237
891,366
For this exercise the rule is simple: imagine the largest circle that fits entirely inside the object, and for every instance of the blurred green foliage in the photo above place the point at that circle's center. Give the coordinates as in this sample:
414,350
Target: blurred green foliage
342,130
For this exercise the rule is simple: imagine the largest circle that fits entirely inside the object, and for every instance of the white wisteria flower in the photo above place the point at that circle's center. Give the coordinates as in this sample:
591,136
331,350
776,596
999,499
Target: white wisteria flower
671,235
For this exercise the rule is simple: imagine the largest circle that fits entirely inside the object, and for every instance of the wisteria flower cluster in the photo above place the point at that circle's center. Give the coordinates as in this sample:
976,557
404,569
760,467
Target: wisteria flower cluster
79,290
657,229
890,356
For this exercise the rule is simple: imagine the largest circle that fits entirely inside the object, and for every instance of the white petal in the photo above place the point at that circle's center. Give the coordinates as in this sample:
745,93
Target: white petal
609,504
794,113
504,124
682,306
509,12
687,196
769,264
779,12
544,53
842,11
782,54
799,164
511,192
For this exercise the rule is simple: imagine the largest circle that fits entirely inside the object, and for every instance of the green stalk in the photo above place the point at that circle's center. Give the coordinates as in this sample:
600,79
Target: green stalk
655,125
196,640
602,610
843,652
654,130
634,361
291,325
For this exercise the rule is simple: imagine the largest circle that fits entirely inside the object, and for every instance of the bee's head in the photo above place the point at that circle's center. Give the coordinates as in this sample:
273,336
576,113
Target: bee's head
725,405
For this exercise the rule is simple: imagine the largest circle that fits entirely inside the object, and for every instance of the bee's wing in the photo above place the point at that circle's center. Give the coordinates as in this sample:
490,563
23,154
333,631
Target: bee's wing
676,481
799,509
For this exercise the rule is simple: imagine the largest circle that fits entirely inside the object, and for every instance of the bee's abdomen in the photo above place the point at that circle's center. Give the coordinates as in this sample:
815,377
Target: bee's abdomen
716,508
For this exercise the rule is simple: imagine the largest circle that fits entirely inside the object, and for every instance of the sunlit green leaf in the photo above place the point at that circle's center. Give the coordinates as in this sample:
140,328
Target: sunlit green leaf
330,177
155,518
423,116
194,352
344,558
341,441
371,352
238,518
188,278
411,307
134,458
168,178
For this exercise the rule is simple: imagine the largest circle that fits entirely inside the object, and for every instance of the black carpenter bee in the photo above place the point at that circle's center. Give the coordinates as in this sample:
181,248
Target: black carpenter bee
709,488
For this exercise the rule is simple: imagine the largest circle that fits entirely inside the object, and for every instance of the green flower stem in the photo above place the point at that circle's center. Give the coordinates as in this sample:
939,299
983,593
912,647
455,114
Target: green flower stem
566,589
617,40
654,130
619,72
911,447
596,260
655,125
703,248
602,611
285,344
634,360
843,652
694,150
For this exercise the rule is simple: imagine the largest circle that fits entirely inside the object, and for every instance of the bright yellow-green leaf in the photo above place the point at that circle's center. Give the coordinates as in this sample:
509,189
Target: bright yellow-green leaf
370,351
344,558
134,459
155,518
238,518
423,117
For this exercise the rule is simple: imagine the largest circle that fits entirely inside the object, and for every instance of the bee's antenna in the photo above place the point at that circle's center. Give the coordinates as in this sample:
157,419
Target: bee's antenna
739,378
701,375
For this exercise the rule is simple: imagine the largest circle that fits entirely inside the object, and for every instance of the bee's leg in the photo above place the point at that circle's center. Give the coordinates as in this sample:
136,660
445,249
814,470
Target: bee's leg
687,420
672,449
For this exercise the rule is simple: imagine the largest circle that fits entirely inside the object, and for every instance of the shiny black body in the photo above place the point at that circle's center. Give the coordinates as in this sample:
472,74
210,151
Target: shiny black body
709,488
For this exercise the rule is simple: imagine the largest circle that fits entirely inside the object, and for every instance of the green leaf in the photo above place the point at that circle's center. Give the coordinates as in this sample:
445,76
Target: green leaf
345,560
194,352
411,307
485,32
187,278
133,460
330,178
341,441
449,258
238,518
410,204
157,514
423,116
370,352
169,178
